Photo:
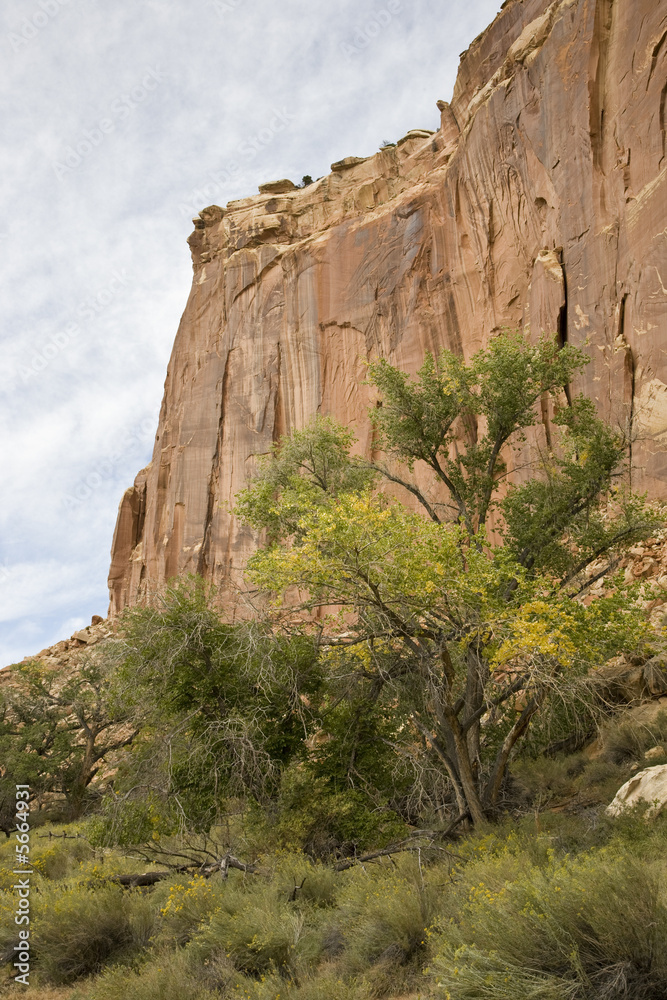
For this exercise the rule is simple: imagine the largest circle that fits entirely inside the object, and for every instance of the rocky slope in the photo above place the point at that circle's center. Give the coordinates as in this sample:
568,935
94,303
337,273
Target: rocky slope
540,202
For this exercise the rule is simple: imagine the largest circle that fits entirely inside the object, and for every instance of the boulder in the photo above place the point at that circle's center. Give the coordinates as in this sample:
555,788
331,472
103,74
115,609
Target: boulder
277,187
621,680
649,786
346,163
647,713
85,636
415,133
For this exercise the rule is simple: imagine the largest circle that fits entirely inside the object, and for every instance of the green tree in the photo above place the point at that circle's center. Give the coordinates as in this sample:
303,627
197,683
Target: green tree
471,636
222,708
56,731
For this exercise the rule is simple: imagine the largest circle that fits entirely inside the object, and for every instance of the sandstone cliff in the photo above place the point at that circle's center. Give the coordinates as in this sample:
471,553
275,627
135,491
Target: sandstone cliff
541,201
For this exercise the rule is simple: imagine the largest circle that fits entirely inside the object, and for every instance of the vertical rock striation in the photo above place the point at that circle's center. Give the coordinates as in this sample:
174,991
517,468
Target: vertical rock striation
541,202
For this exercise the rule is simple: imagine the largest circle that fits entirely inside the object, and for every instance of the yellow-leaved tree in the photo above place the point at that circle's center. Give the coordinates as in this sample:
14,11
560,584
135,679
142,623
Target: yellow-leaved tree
467,638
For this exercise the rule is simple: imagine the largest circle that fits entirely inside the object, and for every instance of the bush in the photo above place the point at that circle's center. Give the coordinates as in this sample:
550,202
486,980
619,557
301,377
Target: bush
385,915
547,778
331,987
61,858
306,882
625,740
167,977
325,823
186,906
595,927
255,927
80,932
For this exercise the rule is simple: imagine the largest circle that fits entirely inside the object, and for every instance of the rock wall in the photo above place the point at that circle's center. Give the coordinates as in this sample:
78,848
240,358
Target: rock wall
540,202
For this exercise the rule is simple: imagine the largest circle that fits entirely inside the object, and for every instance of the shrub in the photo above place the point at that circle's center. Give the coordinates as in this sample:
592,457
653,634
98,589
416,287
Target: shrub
385,915
306,882
186,906
255,927
61,859
626,739
167,977
80,932
331,987
323,822
546,778
573,929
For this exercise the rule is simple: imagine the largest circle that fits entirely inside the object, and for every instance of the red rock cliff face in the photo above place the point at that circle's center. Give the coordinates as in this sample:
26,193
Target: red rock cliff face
541,201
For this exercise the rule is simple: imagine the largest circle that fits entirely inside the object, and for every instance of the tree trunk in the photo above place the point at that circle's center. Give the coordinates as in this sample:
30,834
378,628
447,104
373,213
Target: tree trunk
477,676
447,760
495,781
465,769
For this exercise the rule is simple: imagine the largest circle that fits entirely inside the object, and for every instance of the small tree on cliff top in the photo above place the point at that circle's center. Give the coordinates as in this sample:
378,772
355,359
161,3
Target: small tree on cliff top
471,637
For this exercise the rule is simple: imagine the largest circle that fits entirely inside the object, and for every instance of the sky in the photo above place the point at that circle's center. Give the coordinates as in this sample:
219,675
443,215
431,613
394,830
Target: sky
120,121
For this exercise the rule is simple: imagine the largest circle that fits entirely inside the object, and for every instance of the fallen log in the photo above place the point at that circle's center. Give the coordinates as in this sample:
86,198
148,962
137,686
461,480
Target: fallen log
151,878
133,881
408,844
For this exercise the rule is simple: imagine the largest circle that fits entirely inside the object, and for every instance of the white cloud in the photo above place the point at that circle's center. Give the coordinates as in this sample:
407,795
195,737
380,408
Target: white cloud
220,68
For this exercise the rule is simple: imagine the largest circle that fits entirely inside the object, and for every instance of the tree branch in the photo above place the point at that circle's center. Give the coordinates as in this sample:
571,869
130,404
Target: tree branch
494,703
401,845
411,488
516,732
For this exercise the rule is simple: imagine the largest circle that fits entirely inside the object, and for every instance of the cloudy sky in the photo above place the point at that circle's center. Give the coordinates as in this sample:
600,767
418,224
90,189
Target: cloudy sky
120,121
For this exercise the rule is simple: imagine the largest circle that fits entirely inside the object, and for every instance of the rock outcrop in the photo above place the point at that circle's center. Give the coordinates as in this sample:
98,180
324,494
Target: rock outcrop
541,202
648,787
63,659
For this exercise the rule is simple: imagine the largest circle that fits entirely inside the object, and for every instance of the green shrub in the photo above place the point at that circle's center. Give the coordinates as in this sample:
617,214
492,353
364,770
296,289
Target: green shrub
604,773
184,905
330,987
79,932
325,823
384,915
475,975
572,929
545,778
61,858
625,740
306,882
257,928
167,977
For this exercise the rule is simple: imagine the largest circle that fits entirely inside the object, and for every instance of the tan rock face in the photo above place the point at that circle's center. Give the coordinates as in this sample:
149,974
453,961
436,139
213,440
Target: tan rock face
541,201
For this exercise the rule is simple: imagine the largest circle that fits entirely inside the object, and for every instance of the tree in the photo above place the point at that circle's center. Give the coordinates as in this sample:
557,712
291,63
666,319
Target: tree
470,635
222,708
56,731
